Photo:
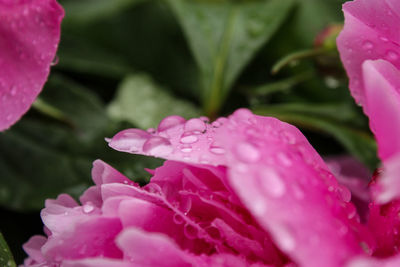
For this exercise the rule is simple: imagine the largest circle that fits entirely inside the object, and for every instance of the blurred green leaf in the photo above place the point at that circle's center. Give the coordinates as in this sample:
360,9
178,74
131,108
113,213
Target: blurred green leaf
84,11
143,103
224,36
329,120
73,104
6,258
44,155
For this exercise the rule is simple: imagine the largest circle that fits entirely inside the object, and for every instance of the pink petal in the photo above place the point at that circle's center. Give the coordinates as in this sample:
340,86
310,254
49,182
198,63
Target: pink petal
374,262
102,173
353,175
175,139
288,188
140,248
33,248
87,237
96,262
29,36
382,105
370,32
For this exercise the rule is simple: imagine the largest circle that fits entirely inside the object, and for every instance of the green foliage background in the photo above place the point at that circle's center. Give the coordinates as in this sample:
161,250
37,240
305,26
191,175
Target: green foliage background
129,63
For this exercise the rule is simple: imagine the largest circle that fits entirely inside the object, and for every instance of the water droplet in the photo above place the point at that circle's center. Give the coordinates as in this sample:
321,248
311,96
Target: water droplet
13,90
153,188
243,114
205,119
178,219
189,138
392,55
88,207
247,152
384,39
186,148
284,159
130,140
54,61
272,182
367,45
190,231
151,131
195,125
283,237
170,122
215,124
157,146
216,149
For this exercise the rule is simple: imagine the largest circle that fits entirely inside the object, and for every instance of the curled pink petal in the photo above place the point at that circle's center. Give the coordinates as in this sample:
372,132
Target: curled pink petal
175,139
29,37
370,33
382,105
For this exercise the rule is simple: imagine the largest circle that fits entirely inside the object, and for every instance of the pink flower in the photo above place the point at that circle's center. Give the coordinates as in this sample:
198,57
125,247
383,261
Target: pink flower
242,191
29,36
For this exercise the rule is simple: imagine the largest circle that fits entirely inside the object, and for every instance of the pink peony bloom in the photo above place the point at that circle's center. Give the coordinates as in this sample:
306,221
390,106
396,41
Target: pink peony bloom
242,191
29,36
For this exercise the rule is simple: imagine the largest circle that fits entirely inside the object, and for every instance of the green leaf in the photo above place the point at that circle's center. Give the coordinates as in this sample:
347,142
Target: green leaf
224,36
73,104
143,103
84,11
6,258
359,143
44,154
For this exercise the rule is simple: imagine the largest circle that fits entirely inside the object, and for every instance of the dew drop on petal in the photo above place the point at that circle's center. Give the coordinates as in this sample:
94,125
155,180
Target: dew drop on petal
189,138
367,45
186,148
157,146
88,208
283,237
13,90
153,188
247,152
178,219
170,122
190,231
195,125
392,55
215,148
243,114
272,182
130,140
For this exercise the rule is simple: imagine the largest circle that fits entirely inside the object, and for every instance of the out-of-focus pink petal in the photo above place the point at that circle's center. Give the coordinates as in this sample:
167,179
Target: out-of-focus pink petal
140,248
102,173
375,262
355,176
288,188
96,262
382,105
370,32
29,37
384,224
89,237
33,248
